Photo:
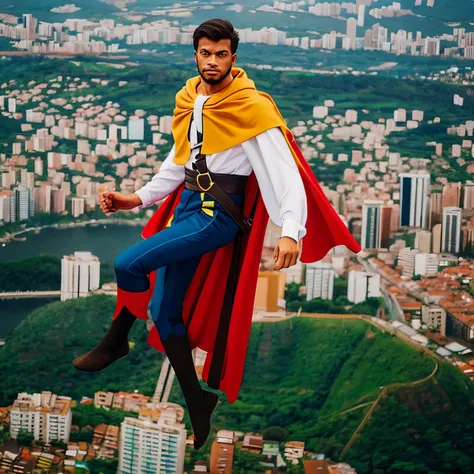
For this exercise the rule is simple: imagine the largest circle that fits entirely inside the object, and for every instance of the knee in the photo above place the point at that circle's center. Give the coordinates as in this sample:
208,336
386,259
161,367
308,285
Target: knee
122,263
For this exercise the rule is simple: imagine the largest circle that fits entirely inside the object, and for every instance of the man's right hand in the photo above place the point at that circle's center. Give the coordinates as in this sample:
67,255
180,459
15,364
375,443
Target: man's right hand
112,201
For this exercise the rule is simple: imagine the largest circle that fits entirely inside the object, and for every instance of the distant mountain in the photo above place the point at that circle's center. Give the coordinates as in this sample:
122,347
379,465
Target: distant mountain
302,375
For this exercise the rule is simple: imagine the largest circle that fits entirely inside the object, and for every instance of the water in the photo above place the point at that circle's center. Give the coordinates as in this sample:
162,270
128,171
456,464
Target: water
104,242
12,312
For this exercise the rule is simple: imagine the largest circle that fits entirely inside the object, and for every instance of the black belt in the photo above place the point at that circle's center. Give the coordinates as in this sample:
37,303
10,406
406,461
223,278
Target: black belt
229,183
217,186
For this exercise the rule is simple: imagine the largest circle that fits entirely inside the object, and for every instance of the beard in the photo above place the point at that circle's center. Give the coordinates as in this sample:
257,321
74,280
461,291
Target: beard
214,81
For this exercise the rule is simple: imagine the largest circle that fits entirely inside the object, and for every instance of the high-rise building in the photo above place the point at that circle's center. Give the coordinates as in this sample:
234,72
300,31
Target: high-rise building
406,259
29,25
136,128
414,199
436,206
46,415
165,382
77,206
351,27
371,218
360,15
147,447
319,280
451,236
423,240
375,225
363,285
165,123
43,198
451,195
437,230
80,273
426,263
468,196
23,204
5,204
58,200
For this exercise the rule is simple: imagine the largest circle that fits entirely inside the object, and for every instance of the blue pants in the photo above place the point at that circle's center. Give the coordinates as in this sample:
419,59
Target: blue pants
199,225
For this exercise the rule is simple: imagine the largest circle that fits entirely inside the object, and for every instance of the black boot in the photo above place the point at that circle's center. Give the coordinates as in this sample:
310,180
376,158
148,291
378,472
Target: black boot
114,346
201,403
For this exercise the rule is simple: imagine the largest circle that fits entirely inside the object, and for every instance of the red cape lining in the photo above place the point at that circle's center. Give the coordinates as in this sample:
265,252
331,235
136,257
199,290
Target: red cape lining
203,300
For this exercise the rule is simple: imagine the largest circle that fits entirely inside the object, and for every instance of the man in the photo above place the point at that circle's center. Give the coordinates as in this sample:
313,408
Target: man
200,258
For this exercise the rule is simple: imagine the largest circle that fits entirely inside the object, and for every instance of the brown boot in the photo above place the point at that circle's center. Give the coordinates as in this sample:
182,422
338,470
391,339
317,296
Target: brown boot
114,346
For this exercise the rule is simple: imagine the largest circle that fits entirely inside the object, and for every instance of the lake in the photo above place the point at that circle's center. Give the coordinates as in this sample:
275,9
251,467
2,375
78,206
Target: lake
106,242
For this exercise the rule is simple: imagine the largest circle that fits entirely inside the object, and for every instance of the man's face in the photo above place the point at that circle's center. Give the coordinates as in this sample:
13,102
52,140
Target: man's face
214,60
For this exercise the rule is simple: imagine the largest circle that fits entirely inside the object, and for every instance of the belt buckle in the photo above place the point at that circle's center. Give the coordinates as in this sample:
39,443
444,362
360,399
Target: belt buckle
211,183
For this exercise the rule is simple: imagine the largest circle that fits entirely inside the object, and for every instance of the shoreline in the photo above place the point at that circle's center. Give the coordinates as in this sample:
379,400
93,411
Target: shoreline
13,237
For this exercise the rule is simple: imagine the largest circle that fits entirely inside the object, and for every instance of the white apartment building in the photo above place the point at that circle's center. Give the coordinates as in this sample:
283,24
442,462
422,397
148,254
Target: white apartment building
414,199
406,259
451,236
363,285
426,263
46,415
147,447
319,281
80,273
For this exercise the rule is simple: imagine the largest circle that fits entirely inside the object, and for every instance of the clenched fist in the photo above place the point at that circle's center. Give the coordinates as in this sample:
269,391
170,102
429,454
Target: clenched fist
112,201
286,253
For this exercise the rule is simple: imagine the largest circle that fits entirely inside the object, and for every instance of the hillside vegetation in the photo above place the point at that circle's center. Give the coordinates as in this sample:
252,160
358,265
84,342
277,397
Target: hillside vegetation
301,374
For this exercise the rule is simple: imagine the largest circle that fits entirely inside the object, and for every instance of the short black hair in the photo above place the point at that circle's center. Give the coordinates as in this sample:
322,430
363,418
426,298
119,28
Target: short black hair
216,30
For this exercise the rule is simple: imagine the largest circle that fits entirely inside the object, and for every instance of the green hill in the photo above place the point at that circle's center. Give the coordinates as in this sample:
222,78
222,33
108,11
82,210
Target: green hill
301,375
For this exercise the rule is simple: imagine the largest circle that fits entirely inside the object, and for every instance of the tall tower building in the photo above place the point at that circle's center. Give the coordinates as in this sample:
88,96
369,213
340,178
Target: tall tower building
319,280
414,199
451,195
423,241
5,205
363,285
24,203
165,382
351,28
371,218
468,196
451,236
436,206
436,231
151,448
376,224
80,273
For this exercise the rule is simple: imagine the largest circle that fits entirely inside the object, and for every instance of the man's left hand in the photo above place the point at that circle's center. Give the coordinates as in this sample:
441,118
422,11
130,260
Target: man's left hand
286,253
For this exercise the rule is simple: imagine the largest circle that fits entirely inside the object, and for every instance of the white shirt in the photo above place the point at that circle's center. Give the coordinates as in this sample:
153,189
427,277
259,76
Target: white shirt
266,154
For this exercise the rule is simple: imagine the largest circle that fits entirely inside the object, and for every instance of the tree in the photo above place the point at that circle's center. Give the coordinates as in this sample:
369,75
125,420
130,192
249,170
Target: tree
58,443
25,438
275,433
246,462
103,466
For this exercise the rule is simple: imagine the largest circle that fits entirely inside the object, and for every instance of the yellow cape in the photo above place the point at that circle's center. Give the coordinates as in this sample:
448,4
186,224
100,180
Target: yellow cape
231,116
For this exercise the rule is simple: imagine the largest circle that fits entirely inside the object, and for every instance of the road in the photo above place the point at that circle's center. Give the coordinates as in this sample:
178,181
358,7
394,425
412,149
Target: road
29,294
